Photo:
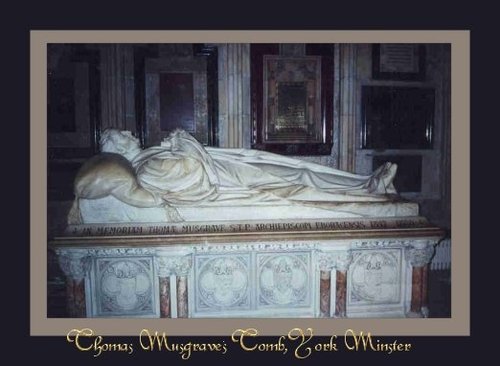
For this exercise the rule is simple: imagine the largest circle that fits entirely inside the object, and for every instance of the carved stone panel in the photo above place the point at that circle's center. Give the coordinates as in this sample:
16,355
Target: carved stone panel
284,280
375,277
124,287
222,283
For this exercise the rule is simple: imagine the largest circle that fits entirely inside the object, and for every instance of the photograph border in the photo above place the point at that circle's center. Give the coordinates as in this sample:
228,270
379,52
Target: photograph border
458,324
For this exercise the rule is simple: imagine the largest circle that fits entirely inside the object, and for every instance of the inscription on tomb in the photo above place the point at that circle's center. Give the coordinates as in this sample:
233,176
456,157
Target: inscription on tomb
227,227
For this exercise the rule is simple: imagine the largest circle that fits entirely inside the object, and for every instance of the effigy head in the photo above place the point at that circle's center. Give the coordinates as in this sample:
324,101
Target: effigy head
120,142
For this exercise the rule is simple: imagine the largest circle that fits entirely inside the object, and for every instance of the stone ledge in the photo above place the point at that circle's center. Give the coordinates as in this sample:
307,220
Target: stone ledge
245,231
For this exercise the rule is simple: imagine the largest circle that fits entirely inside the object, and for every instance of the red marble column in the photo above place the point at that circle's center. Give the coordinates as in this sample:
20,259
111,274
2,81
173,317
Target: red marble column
340,305
182,297
425,282
75,298
419,257
416,290
165,311
324,293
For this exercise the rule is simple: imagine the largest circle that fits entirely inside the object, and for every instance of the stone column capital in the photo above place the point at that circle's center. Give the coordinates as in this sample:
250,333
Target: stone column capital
75,263
419,256
170,263
340,260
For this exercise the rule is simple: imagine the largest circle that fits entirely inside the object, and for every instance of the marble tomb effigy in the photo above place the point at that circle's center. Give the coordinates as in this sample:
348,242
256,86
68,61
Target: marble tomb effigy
181,230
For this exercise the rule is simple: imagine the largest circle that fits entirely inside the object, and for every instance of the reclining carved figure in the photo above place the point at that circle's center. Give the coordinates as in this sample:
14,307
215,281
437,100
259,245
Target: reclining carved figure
181,172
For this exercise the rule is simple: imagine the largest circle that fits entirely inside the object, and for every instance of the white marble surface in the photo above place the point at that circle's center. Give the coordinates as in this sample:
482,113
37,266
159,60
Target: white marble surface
251,279
123,285
112,210
182,181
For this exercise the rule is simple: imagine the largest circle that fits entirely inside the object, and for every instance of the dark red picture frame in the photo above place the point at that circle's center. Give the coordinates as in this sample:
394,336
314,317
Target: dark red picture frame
257,52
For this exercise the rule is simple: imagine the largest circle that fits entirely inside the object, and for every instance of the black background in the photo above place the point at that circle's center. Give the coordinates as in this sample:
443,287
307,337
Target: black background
381,15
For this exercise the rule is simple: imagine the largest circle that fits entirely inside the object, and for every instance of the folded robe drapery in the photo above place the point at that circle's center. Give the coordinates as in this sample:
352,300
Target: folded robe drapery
183,172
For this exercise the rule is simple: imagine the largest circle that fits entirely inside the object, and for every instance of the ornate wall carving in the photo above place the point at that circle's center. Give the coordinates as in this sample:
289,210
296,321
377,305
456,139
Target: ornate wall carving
179,265
375,277
340,260
265,278
419,257
284,279
222,282
124,286
75,263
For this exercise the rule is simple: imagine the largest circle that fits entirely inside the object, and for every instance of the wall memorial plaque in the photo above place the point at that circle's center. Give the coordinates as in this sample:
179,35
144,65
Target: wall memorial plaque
72,101
292,98
178,89
177,102
397,117
398,61
292,91
73,113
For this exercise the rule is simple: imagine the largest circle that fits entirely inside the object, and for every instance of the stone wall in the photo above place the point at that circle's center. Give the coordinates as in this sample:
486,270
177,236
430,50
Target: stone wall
434,198
352,69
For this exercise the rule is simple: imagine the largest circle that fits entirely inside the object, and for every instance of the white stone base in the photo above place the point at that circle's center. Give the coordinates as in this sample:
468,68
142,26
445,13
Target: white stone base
250,269
111,210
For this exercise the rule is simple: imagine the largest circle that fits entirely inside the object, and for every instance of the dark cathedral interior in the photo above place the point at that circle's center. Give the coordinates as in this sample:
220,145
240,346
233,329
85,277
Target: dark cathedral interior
348,106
